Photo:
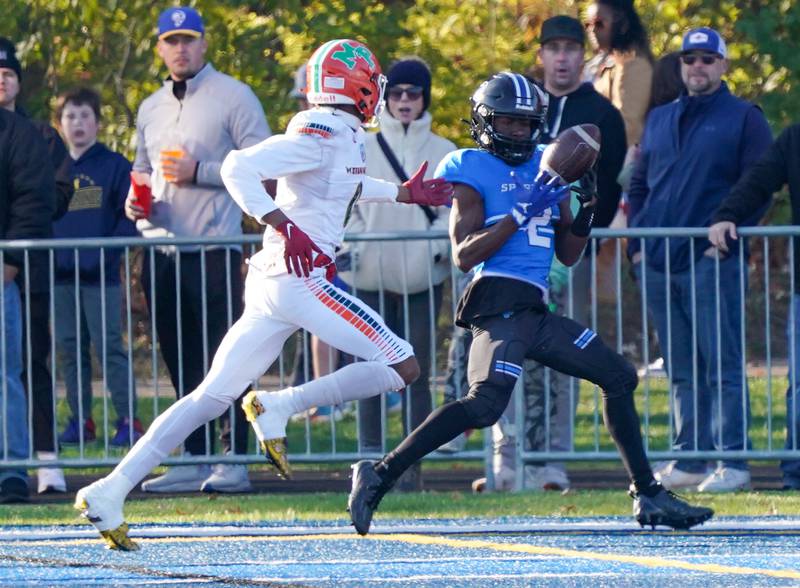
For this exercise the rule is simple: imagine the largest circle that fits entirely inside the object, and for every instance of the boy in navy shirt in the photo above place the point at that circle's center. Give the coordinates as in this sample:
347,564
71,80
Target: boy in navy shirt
101,178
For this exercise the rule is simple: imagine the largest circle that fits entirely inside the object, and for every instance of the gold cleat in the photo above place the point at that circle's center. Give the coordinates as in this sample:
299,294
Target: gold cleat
117,539
276,454
252,407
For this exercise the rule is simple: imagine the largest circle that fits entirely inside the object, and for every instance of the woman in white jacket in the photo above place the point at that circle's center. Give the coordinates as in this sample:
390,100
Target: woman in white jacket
386,273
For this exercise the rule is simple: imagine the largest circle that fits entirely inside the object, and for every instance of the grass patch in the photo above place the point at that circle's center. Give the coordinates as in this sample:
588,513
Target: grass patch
651,398
290,508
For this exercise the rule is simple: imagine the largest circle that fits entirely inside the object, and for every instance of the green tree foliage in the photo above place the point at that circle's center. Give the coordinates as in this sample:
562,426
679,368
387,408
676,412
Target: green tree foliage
110,45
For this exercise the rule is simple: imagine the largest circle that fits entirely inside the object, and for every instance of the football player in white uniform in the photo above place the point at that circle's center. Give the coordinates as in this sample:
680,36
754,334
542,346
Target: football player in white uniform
320,166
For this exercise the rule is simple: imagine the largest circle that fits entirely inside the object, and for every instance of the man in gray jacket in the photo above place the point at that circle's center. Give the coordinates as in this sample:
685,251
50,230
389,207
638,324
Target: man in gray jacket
184,131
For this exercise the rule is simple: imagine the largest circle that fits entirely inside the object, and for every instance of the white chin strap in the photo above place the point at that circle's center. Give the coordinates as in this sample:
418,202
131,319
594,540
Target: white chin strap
379,107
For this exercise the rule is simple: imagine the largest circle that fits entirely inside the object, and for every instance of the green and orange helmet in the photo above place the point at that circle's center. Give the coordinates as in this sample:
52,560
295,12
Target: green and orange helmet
345,71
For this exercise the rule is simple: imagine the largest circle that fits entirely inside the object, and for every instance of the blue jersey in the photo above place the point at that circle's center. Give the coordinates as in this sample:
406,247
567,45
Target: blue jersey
528,254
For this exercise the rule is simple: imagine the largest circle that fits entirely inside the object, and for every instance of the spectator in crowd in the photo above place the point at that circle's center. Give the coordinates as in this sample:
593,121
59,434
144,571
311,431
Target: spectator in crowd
747,199
666,86
572,101
35,286
402,279
693,151
184,131
27,204
622,66
102,179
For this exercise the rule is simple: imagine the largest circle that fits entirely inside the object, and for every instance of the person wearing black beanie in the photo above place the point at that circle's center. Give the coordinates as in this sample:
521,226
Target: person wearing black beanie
410,72
8,57
406,139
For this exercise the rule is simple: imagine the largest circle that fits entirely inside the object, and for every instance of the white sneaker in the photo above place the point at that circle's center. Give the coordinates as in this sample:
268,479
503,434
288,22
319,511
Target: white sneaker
674,479
547,477
655,369
227,477
454,445
179,479
101,503
49,480
725,479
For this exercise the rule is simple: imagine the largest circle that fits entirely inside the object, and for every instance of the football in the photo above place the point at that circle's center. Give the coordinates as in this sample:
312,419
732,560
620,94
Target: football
573,152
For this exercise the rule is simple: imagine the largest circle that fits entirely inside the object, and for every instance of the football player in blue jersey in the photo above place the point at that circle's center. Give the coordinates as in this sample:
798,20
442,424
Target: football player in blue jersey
508,220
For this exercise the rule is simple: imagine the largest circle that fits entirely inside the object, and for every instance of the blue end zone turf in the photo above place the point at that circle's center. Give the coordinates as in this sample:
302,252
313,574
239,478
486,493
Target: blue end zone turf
468,552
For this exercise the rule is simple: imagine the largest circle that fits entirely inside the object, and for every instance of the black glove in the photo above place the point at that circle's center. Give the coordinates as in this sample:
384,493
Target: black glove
587,186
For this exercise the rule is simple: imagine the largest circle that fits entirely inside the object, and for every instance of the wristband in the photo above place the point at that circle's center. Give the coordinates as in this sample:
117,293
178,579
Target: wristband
582,224
194,175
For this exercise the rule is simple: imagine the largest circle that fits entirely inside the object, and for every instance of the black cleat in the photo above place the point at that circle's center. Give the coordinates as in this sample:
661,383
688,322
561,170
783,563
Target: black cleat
666,508
365,495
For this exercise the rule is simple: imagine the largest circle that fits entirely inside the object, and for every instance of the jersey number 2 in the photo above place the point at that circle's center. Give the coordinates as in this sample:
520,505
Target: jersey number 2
540,233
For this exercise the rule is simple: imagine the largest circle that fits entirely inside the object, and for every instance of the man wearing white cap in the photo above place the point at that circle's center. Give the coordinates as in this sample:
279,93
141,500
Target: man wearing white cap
693,151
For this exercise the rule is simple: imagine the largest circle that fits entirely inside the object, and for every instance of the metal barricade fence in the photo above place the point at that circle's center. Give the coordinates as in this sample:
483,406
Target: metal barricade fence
617,310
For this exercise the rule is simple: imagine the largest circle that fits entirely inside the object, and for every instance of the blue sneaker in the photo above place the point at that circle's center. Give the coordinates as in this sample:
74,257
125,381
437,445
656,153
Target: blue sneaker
122,438
791,482
71,434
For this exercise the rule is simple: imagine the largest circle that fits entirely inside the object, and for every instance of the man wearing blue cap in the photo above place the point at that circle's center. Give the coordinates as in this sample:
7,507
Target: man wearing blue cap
184,131
693,151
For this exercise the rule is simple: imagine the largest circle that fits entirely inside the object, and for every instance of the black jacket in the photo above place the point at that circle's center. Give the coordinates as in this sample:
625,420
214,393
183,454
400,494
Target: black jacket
39,279
62,163
586,105
779,166
27,198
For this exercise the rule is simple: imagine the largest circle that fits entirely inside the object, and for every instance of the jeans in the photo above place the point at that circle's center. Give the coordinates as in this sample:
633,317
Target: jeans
119,380
720,417
13,403
419,335
791,467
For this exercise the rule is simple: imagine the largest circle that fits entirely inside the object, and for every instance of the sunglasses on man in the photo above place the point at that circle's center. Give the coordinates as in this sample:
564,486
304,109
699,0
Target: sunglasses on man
706,59
413,92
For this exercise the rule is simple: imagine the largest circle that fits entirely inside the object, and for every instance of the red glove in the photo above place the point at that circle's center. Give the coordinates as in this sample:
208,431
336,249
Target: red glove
298,249
323,260
434,192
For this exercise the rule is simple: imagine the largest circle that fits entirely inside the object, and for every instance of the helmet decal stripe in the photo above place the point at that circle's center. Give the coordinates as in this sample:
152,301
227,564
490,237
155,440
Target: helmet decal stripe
316,64
523,90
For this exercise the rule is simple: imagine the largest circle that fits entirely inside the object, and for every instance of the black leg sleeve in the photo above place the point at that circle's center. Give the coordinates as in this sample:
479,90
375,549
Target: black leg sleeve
442,425
577,351
622,422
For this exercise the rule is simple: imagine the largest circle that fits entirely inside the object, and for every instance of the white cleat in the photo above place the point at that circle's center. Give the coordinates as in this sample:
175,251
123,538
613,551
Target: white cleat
101,506
270,431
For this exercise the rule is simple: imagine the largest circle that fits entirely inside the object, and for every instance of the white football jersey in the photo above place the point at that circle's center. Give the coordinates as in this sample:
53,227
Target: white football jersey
320,167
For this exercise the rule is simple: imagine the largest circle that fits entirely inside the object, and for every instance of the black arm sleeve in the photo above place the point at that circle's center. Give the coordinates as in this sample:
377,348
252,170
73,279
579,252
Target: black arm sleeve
756,186
612,156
